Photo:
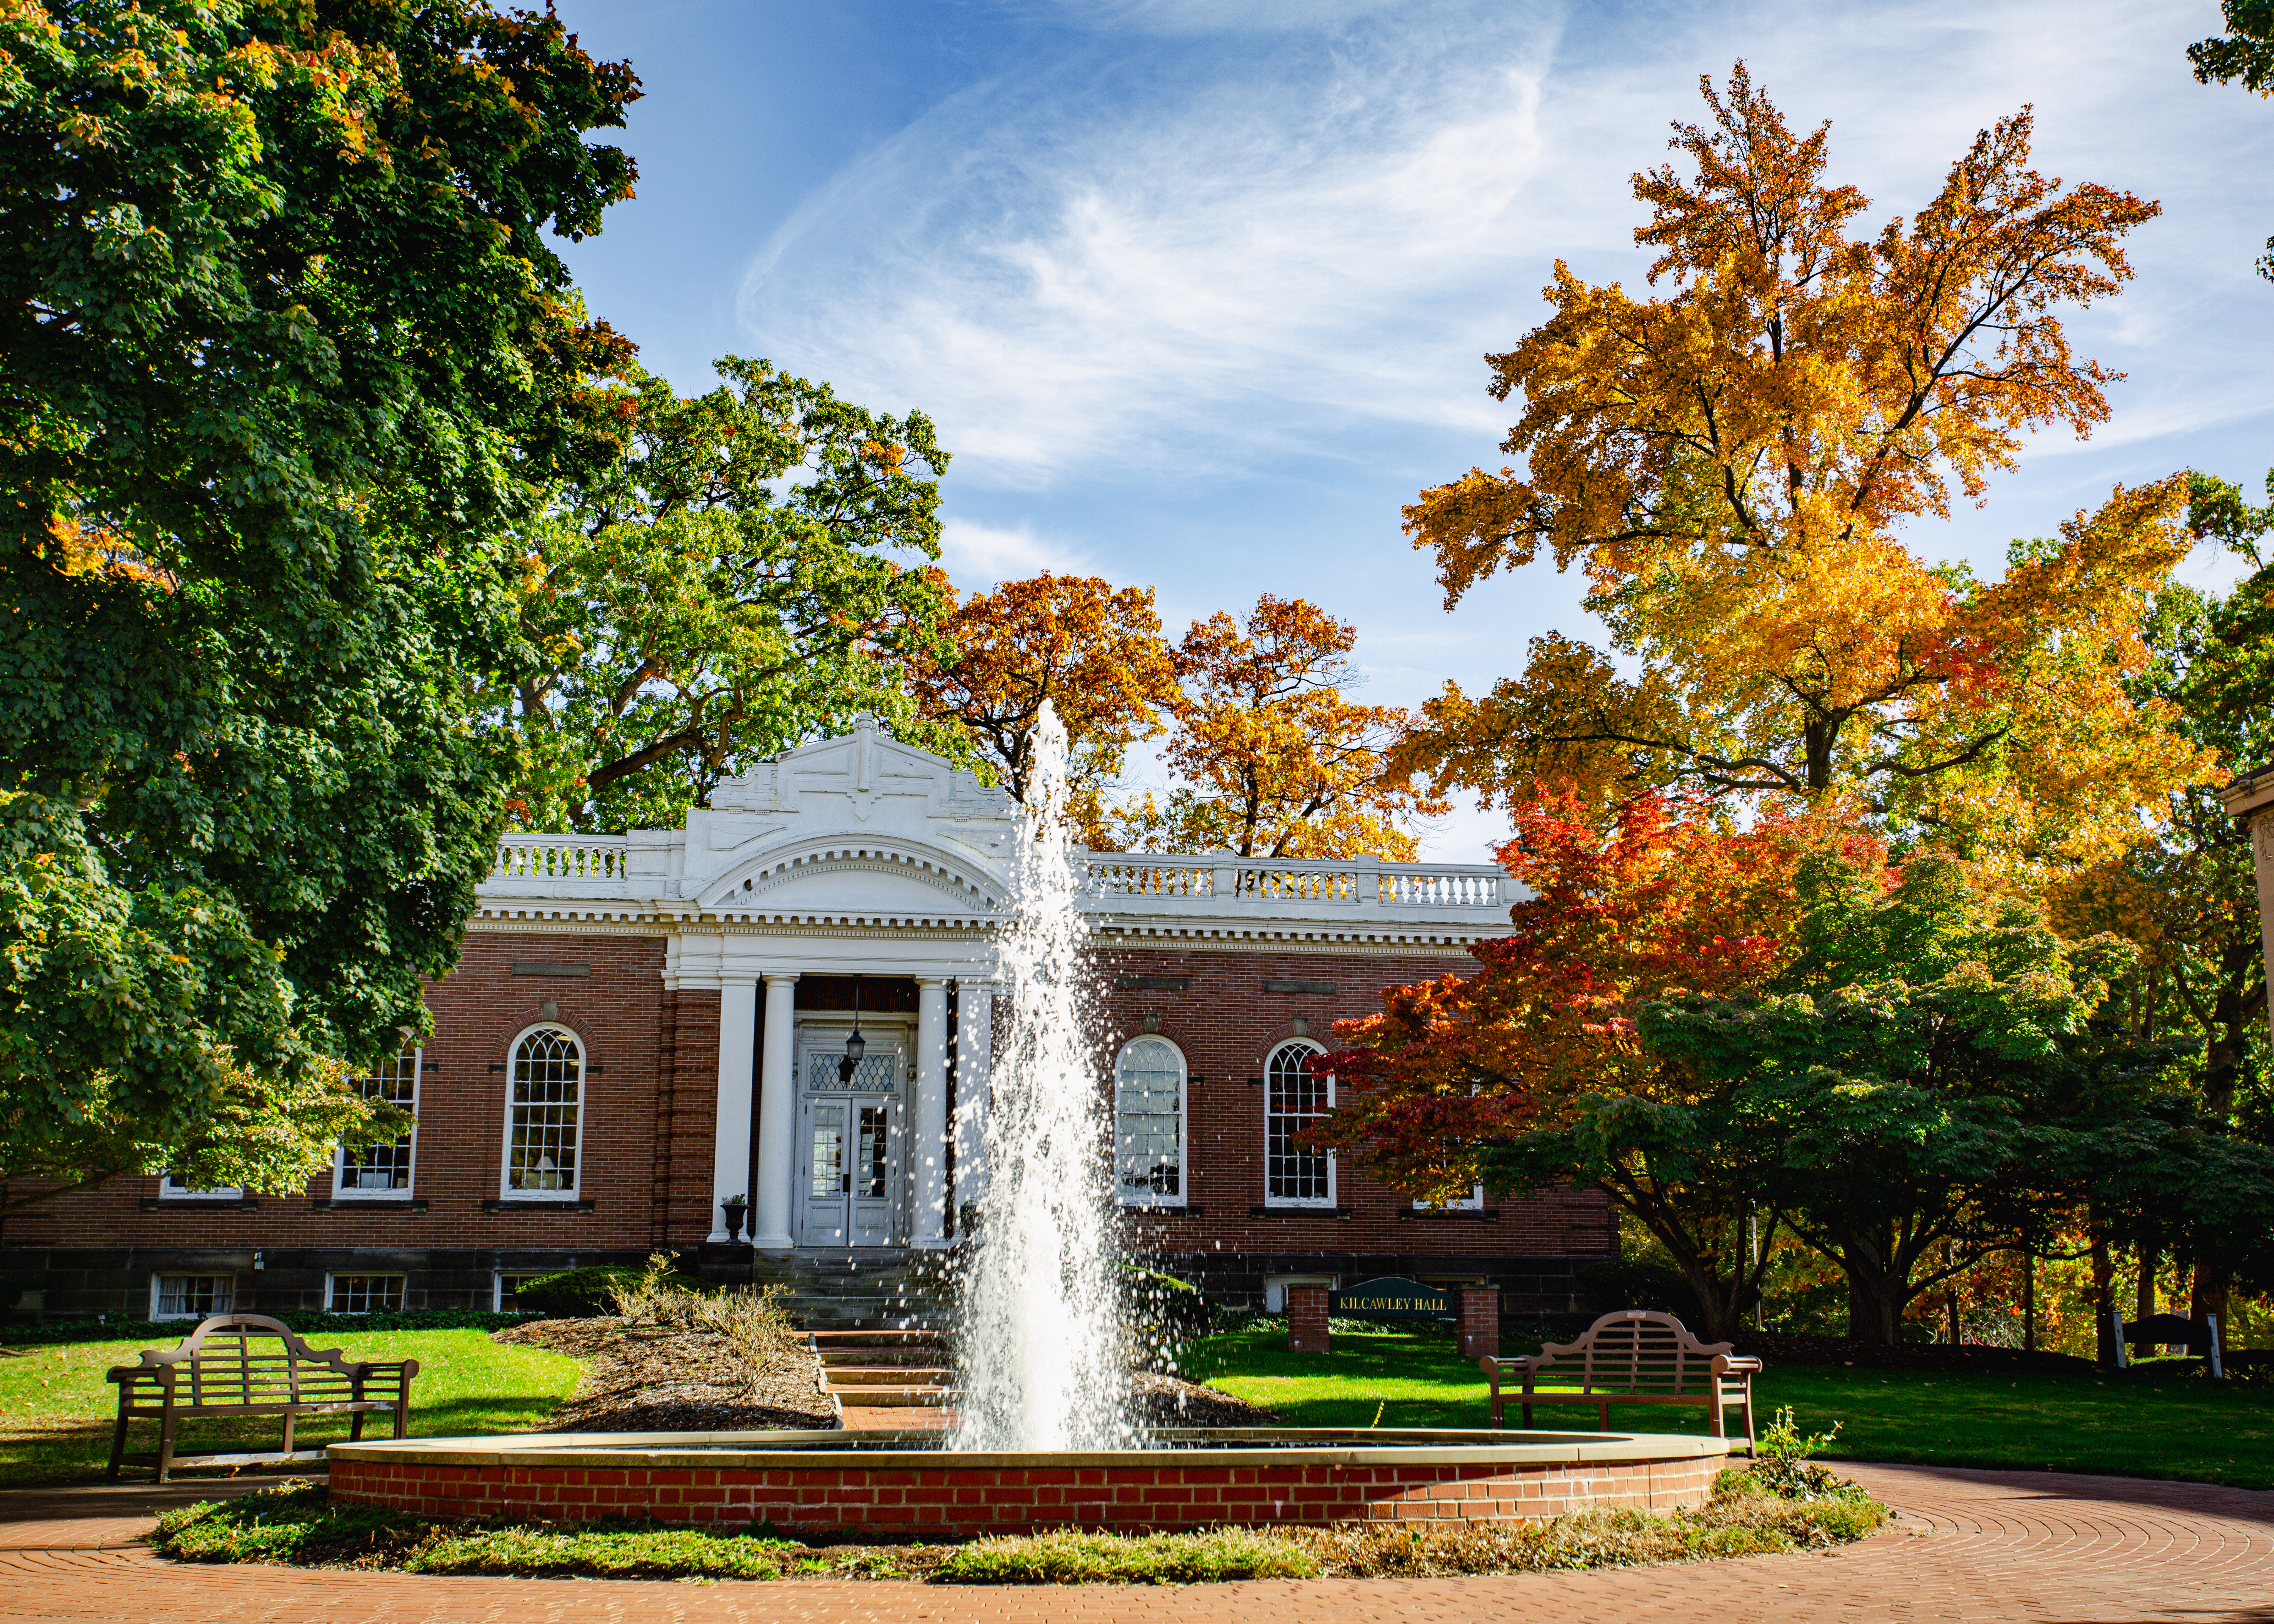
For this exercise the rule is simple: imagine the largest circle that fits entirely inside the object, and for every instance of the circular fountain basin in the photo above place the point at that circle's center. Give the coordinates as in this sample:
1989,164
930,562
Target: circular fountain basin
906,1483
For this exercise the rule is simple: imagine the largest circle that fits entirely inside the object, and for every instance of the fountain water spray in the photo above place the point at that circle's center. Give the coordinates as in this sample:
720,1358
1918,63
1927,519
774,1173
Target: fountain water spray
1043,1359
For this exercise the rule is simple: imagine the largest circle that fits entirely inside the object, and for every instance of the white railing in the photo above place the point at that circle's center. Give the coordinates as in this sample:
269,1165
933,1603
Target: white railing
1463,887
560,857
1151,876
1225,878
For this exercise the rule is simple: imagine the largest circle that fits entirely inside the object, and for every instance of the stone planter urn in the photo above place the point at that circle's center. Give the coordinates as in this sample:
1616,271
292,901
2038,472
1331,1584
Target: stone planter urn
733,1212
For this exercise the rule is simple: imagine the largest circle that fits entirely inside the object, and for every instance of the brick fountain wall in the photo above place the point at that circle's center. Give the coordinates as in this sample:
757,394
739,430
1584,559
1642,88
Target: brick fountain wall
1000,1498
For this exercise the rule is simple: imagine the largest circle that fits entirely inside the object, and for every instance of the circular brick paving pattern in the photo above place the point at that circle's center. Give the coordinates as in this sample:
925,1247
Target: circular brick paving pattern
1967,1545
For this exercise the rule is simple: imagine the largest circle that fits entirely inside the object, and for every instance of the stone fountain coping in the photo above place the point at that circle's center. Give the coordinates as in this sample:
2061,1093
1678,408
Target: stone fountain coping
774,1450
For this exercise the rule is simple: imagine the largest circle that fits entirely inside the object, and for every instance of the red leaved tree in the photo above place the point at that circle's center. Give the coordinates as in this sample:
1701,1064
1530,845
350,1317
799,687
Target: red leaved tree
1528,1073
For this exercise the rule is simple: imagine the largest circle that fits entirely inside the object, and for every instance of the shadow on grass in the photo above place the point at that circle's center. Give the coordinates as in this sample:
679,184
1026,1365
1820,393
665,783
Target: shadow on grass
2148,1422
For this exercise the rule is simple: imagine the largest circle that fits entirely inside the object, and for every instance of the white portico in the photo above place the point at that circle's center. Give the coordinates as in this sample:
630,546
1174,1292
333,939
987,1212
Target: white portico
862,857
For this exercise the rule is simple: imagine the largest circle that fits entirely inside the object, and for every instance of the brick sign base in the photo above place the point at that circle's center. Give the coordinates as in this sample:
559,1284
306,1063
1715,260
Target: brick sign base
918,1491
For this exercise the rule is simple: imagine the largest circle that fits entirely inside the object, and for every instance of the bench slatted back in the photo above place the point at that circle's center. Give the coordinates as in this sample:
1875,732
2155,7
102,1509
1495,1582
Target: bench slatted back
247,1359
1635,1352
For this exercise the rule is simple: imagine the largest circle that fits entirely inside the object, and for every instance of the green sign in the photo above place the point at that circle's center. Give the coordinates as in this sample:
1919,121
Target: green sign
1391,1298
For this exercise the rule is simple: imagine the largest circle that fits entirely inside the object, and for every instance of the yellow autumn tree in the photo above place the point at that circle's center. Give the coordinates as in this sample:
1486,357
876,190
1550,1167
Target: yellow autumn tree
1276,759
1730,460
1092,649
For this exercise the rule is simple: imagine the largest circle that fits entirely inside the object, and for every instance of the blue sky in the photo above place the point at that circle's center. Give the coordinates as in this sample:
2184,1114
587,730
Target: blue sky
1198,293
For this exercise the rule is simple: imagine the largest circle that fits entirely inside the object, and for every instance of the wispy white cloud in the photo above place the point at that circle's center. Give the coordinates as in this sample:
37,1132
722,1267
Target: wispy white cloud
978,556
1206,254
1099,264
1203,17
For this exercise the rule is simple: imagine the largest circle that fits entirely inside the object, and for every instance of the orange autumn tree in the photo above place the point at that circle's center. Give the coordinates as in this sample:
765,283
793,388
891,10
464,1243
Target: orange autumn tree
1276,759
1092,650
1464,1080
1729,461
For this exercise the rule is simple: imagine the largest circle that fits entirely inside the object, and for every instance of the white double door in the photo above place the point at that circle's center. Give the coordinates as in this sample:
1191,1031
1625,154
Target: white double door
852,1140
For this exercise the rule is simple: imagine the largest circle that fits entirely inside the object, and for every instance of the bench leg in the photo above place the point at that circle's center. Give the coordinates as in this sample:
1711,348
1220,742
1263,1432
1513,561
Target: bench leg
166,1446
355,1427
402,1409
1603,1415
1721,1399
1752,1448
118,1442
1527,1417
290,1418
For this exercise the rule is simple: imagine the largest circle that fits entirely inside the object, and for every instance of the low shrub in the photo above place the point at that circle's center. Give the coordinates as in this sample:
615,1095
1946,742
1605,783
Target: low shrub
578,1293
1079,1556
294,1524
754,1323
602,1553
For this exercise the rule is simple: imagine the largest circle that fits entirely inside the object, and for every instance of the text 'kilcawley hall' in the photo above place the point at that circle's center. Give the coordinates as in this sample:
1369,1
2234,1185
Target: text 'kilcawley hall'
646,1024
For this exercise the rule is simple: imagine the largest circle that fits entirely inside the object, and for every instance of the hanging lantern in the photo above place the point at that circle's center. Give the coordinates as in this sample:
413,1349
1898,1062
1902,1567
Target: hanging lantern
856,1045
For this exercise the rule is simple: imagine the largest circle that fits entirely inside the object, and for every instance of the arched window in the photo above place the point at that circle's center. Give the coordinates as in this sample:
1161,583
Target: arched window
1295,1097
383,1171
1149,1122
544,1114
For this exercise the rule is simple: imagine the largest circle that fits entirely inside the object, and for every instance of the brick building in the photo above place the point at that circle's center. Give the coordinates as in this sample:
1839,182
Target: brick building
645,1025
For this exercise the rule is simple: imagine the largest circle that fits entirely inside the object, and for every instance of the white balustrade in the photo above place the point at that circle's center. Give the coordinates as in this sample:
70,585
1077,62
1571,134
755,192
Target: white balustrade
1226,879
560,857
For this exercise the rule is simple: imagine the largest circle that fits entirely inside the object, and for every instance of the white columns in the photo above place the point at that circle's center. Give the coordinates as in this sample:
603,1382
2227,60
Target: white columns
730,1155
777,1120
929,1145
974,1058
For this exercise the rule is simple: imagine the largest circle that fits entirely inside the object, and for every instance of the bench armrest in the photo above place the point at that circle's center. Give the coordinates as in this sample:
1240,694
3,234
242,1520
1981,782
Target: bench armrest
1518,1364
1735,1364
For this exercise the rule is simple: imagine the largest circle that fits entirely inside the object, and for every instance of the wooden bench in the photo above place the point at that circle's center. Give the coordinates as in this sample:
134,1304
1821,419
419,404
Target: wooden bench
244,1364
1633,1356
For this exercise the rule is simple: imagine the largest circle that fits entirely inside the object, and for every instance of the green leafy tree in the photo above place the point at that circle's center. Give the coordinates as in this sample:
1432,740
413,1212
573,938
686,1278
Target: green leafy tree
2245,52
1929,1067
282,354
723,588
2187,893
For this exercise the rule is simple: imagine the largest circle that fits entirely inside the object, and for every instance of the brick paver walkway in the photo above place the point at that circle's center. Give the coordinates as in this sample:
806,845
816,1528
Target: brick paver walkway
1969,1545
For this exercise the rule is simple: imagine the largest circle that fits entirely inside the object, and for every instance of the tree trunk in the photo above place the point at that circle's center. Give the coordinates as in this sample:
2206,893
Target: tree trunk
2145,1296
2212,1282
1872,1310
2029,1301
2104,1299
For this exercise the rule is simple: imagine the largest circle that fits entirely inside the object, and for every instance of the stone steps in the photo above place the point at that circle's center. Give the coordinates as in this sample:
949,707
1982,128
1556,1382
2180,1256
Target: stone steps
870,1289
884,1368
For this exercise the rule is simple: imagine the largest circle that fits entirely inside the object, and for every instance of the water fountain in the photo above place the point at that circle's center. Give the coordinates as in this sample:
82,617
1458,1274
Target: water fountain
1041,1361
1046,1433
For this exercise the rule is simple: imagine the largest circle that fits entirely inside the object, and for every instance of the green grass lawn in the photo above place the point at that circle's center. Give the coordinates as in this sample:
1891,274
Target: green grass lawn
56,1409
2146,1422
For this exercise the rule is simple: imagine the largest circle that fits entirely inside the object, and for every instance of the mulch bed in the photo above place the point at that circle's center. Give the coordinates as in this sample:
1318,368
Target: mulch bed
660,1378
1165,1401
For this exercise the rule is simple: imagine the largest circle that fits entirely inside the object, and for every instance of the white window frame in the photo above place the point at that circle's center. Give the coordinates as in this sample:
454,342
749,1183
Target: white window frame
1294,1203
1472,1202
506,1191
158,1278
344,1191
498,1277
170,1191
1275,1288
402,1295
1157,1201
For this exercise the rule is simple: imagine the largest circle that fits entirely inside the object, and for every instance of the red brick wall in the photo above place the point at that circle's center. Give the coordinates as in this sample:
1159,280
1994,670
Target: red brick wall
651,1101
1227,1024
957,1501
619,1011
